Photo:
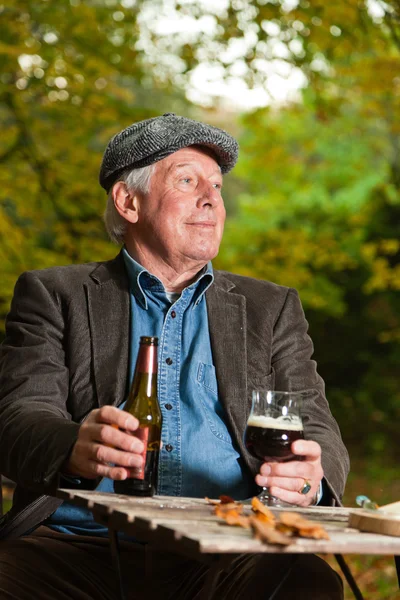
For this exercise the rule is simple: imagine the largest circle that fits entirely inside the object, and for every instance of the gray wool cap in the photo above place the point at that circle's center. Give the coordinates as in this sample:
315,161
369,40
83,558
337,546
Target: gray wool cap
146,142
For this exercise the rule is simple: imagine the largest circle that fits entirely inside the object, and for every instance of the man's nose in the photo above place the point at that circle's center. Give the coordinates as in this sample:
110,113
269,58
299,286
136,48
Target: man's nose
208,195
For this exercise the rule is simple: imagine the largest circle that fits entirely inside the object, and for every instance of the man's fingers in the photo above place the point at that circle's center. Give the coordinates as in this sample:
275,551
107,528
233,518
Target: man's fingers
106,455
288,490
299,471
293,468
311,450
291,497
290,484
116,438
95,469
106,438
115,416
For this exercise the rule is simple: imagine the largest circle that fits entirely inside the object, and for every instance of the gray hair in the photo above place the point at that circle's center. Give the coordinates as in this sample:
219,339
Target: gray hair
136,180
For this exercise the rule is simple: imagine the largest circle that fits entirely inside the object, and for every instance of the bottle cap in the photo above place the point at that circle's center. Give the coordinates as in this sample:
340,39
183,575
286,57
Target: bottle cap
149,340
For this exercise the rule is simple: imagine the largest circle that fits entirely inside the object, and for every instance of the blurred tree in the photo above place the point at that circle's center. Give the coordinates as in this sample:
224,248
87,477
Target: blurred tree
321,215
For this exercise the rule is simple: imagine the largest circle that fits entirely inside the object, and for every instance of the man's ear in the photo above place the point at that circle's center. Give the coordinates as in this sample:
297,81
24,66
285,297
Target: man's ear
125,202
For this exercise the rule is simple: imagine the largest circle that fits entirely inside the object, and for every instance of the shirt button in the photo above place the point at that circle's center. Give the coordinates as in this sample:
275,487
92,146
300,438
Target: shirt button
168,406
169,448
169,361
173,314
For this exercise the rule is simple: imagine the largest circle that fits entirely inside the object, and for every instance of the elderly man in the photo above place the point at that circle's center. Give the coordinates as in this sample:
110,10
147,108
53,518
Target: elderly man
68,358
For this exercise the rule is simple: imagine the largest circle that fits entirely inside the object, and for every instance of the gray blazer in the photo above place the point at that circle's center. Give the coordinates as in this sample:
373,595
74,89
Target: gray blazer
66,352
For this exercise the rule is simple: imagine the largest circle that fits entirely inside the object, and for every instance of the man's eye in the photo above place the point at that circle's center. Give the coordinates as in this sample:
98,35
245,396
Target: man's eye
186,179
217,186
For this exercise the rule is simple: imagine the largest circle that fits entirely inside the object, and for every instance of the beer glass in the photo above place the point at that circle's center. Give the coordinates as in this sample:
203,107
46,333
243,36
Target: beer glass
273,425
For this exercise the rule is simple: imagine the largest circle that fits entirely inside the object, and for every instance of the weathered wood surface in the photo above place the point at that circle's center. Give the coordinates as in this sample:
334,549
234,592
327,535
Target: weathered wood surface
392,508
188,525
375,522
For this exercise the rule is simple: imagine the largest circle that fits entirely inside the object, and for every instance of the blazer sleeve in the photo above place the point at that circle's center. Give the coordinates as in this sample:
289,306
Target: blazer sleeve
36,430
295,370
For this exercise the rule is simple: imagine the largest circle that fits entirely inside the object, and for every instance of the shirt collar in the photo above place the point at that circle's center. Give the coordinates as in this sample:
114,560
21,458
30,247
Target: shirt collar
141,280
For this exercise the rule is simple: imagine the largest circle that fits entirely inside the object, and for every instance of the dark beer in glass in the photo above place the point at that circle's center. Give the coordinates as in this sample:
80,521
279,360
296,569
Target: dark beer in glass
270,440
273,425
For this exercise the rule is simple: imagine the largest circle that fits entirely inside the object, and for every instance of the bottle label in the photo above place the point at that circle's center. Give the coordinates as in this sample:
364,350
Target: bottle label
142,434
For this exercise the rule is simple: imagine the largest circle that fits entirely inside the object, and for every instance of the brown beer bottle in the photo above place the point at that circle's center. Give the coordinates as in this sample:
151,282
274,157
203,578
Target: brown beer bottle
143,404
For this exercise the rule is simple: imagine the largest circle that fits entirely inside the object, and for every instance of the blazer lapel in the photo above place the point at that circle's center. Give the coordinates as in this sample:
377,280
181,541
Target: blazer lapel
109,322
227,324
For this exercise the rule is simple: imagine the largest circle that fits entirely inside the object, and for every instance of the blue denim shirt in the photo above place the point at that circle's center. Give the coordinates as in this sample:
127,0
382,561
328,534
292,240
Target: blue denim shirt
198,457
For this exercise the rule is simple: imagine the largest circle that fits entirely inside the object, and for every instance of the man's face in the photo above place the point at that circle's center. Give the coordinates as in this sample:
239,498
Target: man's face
181,220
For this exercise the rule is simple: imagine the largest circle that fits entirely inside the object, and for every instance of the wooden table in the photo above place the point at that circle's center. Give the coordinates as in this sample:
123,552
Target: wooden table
188,526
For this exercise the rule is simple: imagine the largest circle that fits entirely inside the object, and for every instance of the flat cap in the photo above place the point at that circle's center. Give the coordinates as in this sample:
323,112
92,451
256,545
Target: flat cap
146,142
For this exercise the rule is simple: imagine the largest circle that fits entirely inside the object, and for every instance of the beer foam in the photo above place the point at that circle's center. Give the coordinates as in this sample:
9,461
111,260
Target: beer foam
294,424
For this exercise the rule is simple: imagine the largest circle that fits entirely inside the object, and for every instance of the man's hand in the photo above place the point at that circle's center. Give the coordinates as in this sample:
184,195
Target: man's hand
106,438
285,480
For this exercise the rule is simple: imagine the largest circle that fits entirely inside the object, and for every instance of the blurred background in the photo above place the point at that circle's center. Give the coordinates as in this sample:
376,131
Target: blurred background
311,89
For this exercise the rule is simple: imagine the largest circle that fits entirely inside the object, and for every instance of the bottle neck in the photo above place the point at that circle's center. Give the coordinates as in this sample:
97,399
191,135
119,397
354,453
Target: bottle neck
145,377
147,360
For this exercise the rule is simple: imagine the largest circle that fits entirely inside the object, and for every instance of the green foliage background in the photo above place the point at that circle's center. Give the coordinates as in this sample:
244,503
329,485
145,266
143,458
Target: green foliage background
313,203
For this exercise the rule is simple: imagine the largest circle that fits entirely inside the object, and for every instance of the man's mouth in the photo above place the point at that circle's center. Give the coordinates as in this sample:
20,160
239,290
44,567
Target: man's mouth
202,223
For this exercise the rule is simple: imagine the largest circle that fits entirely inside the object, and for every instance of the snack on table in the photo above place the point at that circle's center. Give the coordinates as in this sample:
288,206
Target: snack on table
235,519
298,525
222,500
262,513
268,534
266,527
230,511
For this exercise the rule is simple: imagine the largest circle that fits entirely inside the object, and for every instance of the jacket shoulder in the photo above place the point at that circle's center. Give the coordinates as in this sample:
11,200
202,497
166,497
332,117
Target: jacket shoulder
79,271
249,286
71,276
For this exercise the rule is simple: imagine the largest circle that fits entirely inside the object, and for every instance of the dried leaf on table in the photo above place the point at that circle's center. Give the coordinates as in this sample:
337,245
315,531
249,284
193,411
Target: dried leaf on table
226,499
267,534
223,510
292,519
260,509
264,519
264,524
317,533
235,519
301,526
231,512
290,531
222,500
